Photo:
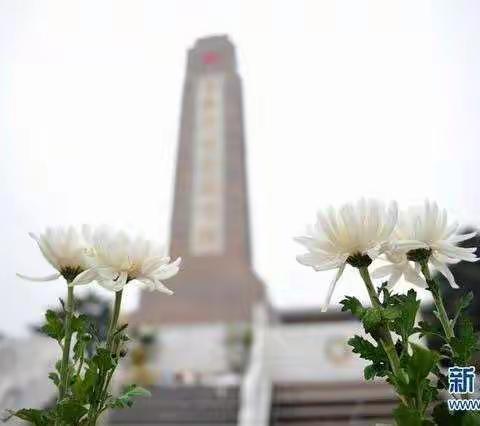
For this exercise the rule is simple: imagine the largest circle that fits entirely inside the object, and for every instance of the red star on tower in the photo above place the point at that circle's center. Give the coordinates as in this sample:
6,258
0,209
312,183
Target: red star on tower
210,58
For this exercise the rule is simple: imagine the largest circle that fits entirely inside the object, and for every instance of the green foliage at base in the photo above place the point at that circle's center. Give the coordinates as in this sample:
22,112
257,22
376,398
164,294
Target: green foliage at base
89,376
419,378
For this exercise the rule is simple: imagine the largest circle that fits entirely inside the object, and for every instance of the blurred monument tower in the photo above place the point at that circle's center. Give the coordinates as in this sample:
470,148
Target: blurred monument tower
209,226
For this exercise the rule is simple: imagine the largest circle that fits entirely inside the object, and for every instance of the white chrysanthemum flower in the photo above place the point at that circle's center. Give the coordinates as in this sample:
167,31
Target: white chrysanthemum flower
119,259
355,234
399,267
64,249
428,227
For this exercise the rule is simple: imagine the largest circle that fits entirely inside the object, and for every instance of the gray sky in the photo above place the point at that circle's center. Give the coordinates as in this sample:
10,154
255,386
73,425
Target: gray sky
342,99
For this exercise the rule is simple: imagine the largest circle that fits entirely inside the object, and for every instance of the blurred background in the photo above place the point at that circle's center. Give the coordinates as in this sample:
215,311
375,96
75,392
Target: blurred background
341,99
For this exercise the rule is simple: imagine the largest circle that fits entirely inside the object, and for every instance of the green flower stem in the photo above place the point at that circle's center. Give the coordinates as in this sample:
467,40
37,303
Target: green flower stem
67,343
101,389
385,336
114,319
437,297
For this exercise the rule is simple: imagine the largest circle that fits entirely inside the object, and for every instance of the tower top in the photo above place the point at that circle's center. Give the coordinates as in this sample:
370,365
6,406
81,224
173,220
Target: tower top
212,54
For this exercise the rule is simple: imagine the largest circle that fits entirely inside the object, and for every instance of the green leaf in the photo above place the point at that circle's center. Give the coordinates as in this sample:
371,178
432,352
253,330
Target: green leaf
369,372
103,359
36,417
372,318
83,387
407,306
126,399
80,323
120,329
385,292
391,313
53,326
463,304
370,352
465,342
80,346
353,305
71,412
54,377
428,329
58,366
405,416
421,363
367,350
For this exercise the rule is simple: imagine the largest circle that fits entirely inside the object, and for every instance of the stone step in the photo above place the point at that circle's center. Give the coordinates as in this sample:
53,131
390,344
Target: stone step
194,423
154,414
371,422
335,411
332,404
331,393
182,405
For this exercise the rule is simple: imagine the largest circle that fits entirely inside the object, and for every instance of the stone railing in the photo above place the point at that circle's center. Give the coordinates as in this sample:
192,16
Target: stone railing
256,388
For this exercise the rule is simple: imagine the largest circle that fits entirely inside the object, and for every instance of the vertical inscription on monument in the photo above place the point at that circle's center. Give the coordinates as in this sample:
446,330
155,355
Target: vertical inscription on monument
207,226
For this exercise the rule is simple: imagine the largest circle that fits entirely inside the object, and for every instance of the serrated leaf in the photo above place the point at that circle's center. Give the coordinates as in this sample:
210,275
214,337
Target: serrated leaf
428,329
369,372
353,305
421,363
370,352
83,387
71,412
120,329
465,342
463,304
384,292
34,416
79,348
53,326
407,306
405,416
126,399
372,318
80,323
55,378
103,359
391,313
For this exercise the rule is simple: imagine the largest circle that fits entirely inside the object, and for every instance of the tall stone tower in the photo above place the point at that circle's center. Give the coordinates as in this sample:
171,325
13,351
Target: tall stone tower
209,226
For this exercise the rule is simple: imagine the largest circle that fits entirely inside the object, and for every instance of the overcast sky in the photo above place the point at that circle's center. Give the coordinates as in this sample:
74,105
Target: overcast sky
342,99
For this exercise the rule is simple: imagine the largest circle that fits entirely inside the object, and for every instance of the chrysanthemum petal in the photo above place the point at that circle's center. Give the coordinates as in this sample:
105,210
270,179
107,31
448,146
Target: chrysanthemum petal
332,287
412,276
394,278
85,277
159,286
443,269
168,271
462,253
407,245
153,263
40,279
382,271
319,262
462,237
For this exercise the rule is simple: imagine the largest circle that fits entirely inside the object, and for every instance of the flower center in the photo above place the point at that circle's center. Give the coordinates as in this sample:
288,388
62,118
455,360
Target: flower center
419,255
359,260
70,272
